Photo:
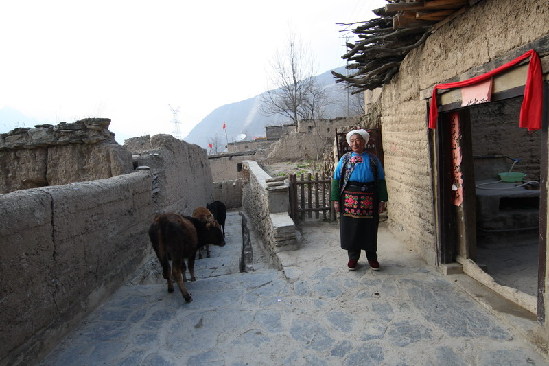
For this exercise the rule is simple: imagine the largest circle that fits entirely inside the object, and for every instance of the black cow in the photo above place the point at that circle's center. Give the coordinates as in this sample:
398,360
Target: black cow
219,211
204,215
177,238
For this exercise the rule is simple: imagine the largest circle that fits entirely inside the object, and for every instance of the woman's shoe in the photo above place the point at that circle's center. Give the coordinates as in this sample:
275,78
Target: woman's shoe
353,263
374,265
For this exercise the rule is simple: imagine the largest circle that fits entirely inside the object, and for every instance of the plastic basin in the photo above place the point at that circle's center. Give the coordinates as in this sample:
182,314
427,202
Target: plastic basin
511,177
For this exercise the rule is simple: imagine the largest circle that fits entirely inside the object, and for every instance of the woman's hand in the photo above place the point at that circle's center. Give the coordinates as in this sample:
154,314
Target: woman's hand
336,206
382,206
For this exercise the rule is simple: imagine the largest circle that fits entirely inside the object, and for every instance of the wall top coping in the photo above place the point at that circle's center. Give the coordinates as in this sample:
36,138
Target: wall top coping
280,126
280,187
258,172
252,142
281,220
277,179
227,154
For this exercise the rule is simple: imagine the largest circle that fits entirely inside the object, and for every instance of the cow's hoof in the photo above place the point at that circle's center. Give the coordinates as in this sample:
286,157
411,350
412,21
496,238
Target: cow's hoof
170,289
188,298
193,279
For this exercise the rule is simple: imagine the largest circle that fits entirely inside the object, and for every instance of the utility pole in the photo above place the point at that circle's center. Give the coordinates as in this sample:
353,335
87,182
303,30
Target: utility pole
175,121
226,138
347,36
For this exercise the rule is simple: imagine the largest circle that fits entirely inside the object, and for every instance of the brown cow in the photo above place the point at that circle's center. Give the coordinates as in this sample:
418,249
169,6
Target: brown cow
203,214
177,238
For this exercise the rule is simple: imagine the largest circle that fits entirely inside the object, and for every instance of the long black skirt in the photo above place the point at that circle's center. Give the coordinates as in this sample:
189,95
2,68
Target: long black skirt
359,218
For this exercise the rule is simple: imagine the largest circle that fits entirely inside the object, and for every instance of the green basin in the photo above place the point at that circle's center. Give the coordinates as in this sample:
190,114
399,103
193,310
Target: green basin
511,177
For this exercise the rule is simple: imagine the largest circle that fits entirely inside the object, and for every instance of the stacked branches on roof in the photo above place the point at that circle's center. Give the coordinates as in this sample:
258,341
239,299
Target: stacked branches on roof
383,42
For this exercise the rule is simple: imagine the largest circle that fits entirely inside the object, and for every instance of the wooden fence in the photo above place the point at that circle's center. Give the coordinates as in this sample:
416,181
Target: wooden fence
310,198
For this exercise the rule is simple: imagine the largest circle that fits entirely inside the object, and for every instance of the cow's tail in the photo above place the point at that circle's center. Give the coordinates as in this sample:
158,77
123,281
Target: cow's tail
163,223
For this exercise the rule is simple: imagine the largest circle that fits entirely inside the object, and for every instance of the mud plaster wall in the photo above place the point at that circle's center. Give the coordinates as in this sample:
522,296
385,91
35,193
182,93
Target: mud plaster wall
249,145
486,31
229,192
64,249
181,175
224,167
310,140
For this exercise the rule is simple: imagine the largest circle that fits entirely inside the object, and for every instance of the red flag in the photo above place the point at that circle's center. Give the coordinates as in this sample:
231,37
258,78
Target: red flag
210,146
224,125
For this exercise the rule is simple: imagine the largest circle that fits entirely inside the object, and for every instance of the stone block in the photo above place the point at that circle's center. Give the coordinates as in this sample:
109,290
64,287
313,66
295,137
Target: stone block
278,199
450,268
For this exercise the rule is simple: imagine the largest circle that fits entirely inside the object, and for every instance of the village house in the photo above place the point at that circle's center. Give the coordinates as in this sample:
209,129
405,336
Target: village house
467,188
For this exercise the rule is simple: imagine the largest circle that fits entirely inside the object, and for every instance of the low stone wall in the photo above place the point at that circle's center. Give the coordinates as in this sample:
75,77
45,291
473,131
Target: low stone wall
229,192
64,249
265,201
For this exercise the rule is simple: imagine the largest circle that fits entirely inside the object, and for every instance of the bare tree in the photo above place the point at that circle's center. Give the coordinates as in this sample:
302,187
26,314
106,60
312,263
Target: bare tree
295,93
215,144
356,104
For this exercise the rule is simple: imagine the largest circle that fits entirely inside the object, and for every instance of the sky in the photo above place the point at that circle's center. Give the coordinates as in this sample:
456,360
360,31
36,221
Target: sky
145,63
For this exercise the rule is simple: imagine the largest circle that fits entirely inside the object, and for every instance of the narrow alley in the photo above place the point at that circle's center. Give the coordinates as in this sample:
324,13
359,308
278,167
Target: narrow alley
312,312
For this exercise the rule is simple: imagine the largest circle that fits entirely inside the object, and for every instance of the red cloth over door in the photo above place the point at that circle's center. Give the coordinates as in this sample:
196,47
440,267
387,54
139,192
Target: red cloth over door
531,109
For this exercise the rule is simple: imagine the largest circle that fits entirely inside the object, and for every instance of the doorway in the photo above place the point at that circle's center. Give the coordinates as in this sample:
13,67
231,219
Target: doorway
507,205
495,220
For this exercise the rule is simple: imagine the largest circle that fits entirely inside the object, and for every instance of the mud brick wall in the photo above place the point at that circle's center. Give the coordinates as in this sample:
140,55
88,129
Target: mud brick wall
407,171
64,249
488,30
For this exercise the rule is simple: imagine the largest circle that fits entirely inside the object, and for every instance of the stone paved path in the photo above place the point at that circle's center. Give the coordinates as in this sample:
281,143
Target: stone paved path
313,312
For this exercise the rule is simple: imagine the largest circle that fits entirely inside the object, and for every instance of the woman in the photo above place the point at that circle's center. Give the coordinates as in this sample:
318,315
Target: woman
359,193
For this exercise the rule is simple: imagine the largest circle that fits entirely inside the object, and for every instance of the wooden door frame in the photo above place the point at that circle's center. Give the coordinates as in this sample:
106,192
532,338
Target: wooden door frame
446,215
542,249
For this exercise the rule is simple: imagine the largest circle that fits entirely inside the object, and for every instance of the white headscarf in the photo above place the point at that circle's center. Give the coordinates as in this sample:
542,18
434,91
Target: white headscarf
365,135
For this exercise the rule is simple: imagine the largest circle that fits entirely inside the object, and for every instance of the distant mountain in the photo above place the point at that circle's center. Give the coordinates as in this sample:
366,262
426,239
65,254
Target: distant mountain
11,118
244,117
